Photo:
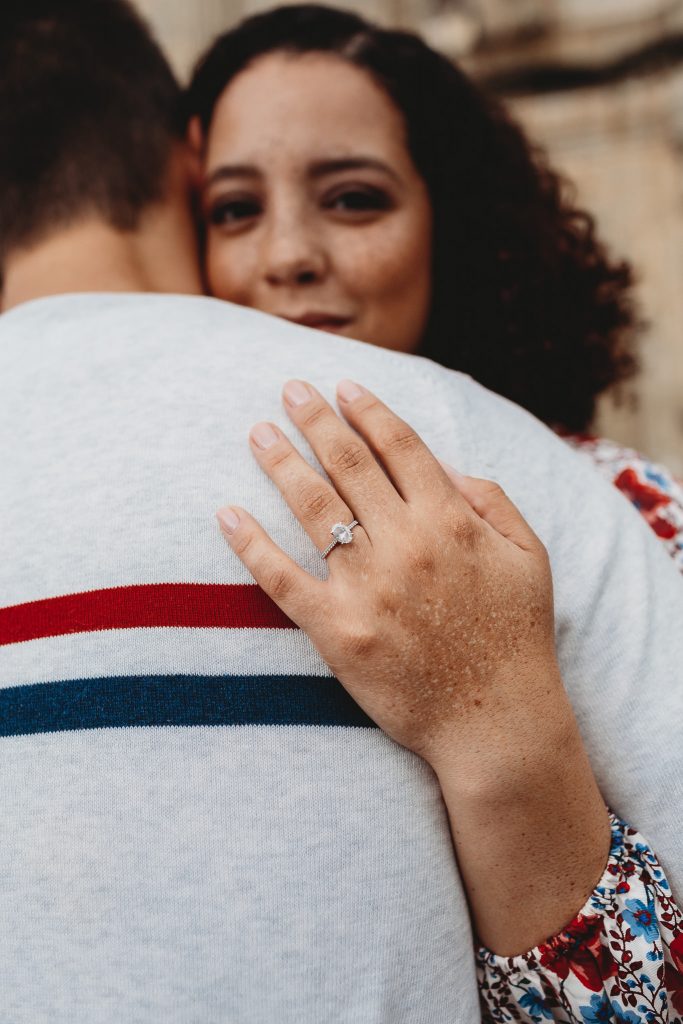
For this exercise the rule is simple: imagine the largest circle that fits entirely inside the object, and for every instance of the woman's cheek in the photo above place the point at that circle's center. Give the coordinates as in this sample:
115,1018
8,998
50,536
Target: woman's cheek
225,272
392,277
216,279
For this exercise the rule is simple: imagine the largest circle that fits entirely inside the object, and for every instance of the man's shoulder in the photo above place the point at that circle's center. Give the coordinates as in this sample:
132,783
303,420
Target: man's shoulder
211,345
204,331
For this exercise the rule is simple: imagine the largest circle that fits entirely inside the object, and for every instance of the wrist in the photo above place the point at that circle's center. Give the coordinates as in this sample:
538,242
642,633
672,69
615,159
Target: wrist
509,739
513,769
529,826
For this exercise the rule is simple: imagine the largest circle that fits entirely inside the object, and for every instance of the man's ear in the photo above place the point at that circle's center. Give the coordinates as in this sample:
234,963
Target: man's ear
194,154
194,140
195,136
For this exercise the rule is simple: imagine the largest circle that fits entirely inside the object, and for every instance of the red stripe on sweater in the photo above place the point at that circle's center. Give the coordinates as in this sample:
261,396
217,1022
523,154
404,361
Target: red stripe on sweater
221,605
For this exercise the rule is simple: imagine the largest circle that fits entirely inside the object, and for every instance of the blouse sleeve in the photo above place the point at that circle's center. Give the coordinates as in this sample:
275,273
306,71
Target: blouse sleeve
655,492
620,960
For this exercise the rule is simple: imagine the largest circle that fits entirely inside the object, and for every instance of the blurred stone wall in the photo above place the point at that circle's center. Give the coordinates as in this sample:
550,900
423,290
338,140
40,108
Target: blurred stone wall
186,28
600,84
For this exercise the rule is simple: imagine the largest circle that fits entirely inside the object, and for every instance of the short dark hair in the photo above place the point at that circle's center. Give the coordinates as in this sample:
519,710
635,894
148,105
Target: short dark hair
526,298
89,108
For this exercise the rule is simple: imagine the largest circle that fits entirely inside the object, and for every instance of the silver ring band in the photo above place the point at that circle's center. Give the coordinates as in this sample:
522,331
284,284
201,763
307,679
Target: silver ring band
342,535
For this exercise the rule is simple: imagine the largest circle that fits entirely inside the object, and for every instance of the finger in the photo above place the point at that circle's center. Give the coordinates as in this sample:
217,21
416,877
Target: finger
291,588
344,455
491,503
414,470
312,499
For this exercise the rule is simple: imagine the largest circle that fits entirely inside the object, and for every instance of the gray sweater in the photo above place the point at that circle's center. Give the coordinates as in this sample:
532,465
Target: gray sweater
198,825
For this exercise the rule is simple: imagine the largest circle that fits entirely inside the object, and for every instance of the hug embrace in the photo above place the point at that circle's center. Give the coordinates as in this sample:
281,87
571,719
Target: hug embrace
400,741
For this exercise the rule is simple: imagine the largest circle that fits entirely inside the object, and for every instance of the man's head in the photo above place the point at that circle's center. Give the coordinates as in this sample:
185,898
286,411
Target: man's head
89,114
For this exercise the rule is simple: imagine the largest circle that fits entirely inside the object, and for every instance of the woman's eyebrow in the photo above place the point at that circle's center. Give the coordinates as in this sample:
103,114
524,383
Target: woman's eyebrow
318,169
351,163
227,171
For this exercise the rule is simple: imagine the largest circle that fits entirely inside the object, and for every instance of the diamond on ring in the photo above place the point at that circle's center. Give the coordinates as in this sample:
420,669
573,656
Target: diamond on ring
342,535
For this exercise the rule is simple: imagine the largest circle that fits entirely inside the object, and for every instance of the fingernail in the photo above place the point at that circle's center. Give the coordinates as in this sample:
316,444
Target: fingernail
263,435
296,392
228,519
349,391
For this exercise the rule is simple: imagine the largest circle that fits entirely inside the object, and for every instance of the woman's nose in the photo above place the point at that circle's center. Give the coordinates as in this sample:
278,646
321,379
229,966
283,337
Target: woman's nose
298,272
294,257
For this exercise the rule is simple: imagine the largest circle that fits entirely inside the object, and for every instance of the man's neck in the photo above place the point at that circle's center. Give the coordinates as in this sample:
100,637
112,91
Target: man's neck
92,257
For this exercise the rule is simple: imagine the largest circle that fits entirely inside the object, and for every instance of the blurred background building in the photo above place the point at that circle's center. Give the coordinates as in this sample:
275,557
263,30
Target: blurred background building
600,84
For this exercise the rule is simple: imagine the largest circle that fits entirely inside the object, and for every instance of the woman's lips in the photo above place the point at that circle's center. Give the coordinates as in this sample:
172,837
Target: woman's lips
321,321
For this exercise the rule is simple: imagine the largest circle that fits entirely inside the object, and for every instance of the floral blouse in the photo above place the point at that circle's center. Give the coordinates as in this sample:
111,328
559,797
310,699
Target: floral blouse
620,960
657,494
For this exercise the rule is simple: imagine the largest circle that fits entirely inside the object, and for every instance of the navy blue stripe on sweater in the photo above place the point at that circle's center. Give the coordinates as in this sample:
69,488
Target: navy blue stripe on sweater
121,701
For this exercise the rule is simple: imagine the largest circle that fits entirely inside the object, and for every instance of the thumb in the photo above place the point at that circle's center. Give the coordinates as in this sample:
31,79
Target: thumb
491,503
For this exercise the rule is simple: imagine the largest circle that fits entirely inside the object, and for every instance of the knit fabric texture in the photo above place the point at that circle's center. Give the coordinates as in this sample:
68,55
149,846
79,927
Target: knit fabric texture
198,825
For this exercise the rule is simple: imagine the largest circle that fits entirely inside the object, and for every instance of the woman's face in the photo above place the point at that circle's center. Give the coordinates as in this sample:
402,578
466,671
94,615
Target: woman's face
314,209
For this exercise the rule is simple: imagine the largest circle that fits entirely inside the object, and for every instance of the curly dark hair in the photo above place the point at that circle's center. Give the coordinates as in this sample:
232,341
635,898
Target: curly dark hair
525,297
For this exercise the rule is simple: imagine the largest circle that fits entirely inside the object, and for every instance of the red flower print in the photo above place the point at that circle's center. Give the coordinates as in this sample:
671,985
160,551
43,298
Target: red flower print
663,528
646,496
673,973
648,499
578,949
676,950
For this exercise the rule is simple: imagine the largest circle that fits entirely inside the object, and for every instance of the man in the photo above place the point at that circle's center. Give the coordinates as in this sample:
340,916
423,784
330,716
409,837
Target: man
157,865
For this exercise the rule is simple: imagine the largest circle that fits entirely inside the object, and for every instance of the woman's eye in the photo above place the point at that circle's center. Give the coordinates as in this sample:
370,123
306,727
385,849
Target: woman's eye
229,212
358,201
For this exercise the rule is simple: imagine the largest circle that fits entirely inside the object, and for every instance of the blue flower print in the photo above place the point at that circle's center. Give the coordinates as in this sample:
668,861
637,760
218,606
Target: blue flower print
599,1011
625,1016
657,478
642,919
630,981
532,1000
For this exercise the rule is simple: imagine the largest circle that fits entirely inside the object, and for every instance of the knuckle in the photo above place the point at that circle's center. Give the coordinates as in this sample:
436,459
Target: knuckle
491,491
358,642
495,490
400,442
277,583
389,601
369,409
421,560
313,502
465,531
314,415
541,552
279,457
347,456
243,540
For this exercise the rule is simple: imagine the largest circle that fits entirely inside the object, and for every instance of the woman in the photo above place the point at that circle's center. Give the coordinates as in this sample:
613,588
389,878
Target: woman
438,620
319,211
465,248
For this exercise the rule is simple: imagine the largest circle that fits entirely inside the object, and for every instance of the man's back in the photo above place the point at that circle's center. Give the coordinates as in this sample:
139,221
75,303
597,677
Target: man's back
199,825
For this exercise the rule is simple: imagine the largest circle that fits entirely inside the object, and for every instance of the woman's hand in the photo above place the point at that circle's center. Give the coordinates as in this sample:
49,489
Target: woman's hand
438,620
438,617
